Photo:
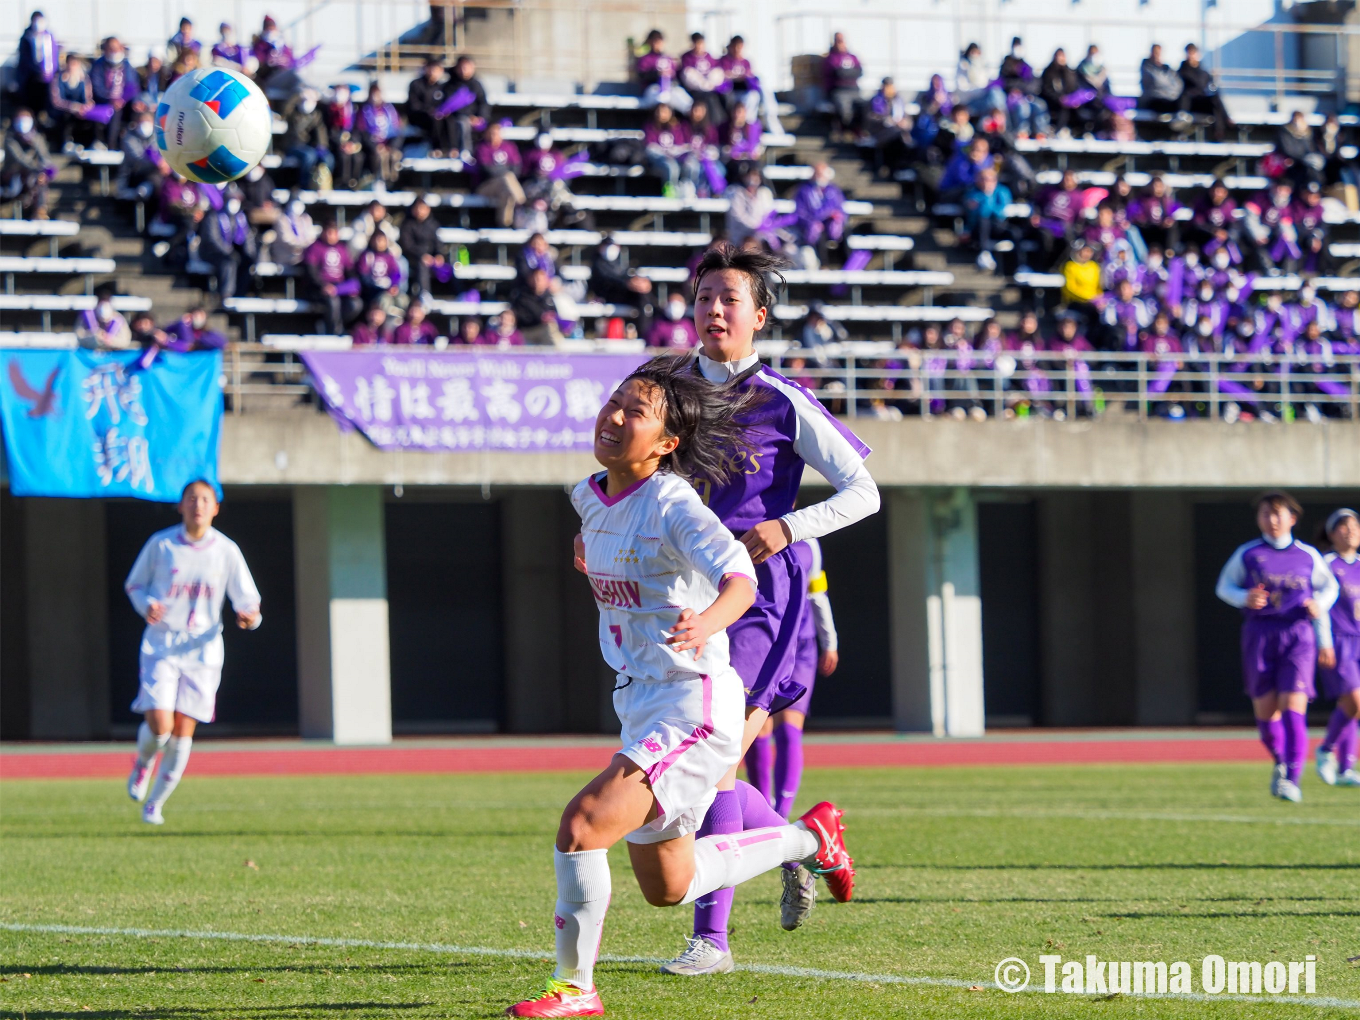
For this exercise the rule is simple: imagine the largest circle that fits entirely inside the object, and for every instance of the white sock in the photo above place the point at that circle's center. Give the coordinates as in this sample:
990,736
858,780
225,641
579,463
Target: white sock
723,861
173,763
149,744
583,891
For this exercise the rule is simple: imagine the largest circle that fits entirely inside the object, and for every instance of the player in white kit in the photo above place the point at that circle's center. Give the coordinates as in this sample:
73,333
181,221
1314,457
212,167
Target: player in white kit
669,578
177,585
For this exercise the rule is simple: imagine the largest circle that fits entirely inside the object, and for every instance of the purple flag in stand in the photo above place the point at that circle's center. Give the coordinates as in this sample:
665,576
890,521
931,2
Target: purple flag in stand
100,113
306,58
573,167
442,401
456,102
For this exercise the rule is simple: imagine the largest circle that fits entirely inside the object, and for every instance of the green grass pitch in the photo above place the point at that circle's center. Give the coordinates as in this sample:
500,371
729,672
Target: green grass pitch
958,868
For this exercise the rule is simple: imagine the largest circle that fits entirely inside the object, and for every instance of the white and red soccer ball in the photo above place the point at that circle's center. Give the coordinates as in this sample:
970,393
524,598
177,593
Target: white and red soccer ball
213,125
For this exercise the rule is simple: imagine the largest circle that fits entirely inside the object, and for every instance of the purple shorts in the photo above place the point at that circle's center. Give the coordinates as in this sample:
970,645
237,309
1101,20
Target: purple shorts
764,641
805,659
1346,676
1278,657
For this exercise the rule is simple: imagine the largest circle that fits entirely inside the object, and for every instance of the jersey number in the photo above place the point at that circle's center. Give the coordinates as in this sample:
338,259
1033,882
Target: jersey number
617,631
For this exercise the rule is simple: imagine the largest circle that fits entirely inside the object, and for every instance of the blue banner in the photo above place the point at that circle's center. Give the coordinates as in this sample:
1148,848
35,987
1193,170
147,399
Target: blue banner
86,424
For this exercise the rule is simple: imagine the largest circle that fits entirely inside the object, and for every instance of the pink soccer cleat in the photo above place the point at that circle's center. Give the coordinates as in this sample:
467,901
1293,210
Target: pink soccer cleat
560,998
139,779
834,862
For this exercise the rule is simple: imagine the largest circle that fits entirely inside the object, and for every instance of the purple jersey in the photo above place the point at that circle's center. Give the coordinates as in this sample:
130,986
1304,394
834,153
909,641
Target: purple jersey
331,263
1289,577
1346,610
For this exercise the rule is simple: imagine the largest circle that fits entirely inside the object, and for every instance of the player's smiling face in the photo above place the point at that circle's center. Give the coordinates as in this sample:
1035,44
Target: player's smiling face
1346,536
726,316
630,433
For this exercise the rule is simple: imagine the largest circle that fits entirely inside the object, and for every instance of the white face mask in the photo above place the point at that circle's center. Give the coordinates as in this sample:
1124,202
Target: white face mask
1206,295
104,311
676,310
1018,52
1154,262
272,36
1221,259
115,58
197,322
296,208
1306,297
822,180
1205,327
611,252
1192,259
40,26
256,172
544,141
234,206
1273,302
308,105
145,128
229,39
23,125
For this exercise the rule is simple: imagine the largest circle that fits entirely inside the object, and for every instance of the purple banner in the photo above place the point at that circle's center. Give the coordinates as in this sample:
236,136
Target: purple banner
405,399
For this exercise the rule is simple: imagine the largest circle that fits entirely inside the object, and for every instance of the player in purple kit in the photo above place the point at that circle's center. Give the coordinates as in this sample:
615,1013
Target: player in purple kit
1284,588
788,431
1341,670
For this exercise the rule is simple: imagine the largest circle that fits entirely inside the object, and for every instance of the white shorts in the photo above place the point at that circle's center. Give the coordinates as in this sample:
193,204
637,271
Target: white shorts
174,684
685,734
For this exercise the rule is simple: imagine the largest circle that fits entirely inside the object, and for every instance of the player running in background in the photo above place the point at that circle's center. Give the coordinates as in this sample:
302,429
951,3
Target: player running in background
1341,675
774,764
787,431
668,579
177,585
1284,589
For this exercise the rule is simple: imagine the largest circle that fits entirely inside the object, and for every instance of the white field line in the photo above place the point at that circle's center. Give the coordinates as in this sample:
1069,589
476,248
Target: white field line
1103,815
776,970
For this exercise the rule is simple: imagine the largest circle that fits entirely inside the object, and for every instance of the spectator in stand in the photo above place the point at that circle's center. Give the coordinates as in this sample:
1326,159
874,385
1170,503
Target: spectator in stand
841,72
742,145
307,140
470,332
890,125
675,329
973,86
379,273
1163,89
37,66
669,154
504,330
424,103
378,127
1337,169
140,167
1093,72
1081,279
225,241
151,84
1311,226
183,42
614,284
1153,212
658,75
701,74
229,53
257,197
1056,212
1269,224
1105,235
186,63
341,116
1122,315
984,217
415,327
749,210
1026,113
741,85
178,208
1216,223
471,110
273,56
103,328
191,333
69,104
536,255
819,215
964,167
955,133
1201,93
533,305
818,332
330,272
1295,142
498,169
145,333
703,142
420,245
294,233
373,327
373,220
115,85
28,165
1056,84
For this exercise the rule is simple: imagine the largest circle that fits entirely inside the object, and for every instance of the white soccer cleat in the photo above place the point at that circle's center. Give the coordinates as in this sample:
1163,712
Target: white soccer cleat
151,814
800,896
1290,791
1327,766
139,780
1276,778
1348,778
700,957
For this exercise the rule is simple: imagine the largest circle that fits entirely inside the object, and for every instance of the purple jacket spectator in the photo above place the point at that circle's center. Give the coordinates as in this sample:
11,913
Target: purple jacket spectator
1212,217
235,54
657,69
679,334
363,335
743,144
1151,211
673,139
329,263
379,270
184,338
495,161
841,71
699,72
737,71
819,209
411,333
114,84
37,57
379,121
961,171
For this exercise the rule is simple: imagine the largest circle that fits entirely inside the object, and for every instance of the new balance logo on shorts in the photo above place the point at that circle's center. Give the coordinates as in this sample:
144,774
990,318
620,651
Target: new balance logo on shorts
652,745
220,93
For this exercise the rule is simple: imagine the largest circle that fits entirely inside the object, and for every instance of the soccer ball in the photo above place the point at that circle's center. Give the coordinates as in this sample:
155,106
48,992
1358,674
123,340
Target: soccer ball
213,125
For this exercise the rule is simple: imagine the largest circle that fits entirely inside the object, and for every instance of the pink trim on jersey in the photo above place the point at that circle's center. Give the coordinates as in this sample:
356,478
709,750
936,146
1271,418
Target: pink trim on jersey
184,539
609,500
701,732
763,837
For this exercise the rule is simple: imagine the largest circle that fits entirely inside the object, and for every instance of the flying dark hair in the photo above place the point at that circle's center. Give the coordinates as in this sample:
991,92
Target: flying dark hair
704,416
757,265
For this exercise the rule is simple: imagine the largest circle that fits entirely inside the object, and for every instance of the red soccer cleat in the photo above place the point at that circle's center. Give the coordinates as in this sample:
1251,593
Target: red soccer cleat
833,861
560,998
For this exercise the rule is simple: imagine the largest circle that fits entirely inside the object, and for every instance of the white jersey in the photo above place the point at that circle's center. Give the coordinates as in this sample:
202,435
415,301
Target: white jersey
651,552
190,579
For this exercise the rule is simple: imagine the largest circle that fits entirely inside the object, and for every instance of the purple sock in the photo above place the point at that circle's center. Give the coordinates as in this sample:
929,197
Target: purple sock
1295,743
1338,722
1346,745
759,762
788,766
1272,735
711,912
756,812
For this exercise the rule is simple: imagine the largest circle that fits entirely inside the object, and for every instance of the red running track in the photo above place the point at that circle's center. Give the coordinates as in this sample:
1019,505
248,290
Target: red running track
328,761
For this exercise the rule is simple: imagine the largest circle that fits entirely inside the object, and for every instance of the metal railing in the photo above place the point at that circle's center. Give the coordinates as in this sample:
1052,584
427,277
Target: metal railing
871,379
